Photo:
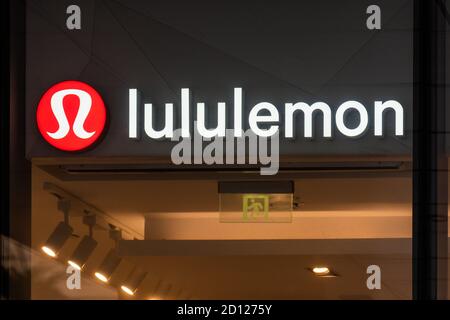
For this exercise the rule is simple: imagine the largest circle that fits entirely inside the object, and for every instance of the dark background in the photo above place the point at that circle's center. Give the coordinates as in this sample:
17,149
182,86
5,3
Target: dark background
278,51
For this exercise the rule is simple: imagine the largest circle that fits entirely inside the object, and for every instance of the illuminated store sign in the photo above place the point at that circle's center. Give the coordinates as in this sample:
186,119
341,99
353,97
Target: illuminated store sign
266,114
71,116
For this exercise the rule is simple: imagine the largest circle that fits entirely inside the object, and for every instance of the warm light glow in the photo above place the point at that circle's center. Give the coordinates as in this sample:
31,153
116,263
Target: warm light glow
321,271
74,264
127,290
49,251
101,277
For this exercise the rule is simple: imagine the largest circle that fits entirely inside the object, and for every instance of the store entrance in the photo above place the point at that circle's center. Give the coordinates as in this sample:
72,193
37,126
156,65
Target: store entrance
348,236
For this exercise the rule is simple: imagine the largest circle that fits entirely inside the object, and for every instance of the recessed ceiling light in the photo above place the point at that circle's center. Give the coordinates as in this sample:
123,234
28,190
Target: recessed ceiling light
321,271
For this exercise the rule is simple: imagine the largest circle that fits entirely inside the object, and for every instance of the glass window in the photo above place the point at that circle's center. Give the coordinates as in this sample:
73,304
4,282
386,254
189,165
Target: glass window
216,150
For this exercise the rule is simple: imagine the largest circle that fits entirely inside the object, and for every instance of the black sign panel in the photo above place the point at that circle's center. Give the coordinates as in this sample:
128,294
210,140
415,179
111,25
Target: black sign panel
278,52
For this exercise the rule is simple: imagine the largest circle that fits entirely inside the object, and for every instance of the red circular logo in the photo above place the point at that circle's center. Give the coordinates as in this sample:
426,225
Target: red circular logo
71,115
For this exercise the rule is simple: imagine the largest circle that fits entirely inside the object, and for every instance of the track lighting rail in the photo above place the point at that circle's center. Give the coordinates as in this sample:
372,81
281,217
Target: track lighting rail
103,221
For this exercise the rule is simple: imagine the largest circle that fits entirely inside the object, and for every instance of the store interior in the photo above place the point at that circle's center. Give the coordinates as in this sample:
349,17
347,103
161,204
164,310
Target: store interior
172,232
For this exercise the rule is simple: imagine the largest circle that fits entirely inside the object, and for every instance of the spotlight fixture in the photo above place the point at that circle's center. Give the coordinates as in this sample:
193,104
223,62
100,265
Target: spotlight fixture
61,234
85,247
57,239
133,281
82,252
111,261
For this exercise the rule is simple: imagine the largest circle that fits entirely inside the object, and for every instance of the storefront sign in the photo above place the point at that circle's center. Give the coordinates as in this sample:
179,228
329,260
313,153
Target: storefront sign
71,116
69,107
266,113
346,92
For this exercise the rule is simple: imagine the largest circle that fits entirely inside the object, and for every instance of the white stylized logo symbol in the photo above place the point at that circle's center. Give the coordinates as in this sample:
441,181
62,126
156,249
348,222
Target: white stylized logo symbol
66,104
60,115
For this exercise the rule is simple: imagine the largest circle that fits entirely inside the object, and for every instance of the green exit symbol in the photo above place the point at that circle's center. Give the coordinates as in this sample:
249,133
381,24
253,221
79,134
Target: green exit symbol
255,206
